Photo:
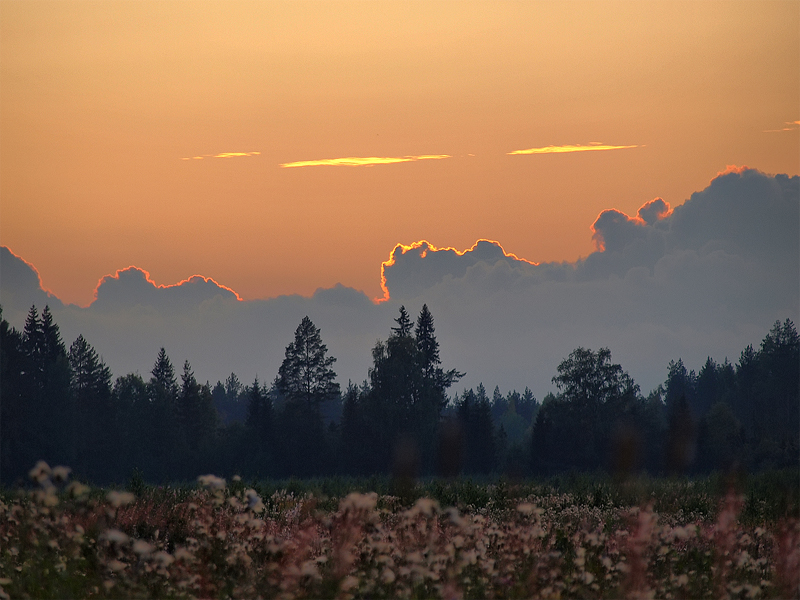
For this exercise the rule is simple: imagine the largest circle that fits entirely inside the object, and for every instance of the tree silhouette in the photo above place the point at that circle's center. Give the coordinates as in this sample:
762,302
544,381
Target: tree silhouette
305,380
306,374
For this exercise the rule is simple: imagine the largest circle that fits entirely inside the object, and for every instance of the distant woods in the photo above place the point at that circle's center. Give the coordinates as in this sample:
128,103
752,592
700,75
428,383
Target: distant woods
61,404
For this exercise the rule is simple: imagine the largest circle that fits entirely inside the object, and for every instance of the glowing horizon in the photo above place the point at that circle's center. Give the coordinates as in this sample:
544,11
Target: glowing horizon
270,141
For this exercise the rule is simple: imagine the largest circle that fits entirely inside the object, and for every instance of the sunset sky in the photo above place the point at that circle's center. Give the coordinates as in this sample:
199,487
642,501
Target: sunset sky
280,147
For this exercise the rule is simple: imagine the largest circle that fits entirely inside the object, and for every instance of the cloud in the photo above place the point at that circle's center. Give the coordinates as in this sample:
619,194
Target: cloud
789,126
133,286
704,278
21,287
417,266
593,146
367,161
222,155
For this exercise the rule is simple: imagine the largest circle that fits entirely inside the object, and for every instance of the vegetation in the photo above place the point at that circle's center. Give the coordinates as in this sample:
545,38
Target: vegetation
60,405
575,537
563,498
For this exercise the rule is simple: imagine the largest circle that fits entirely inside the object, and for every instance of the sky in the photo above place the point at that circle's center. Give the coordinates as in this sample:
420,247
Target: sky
284,149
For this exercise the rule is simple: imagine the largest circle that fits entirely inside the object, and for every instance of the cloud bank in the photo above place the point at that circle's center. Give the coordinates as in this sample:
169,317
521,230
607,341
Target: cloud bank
705,278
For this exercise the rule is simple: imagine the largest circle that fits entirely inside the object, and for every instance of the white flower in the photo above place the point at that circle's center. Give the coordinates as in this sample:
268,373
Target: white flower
118,499
61,473
211,482
142,548
40,472
116,536
526,508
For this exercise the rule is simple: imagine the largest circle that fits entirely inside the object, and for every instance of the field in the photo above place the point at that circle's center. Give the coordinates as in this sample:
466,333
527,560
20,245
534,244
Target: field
574,537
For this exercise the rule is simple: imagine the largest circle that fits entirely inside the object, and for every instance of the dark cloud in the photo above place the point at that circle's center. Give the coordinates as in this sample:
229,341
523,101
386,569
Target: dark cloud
414,268
21,287
706,278
133,287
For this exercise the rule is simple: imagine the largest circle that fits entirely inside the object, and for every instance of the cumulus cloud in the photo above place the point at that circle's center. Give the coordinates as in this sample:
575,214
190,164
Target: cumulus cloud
413,268
133,287
21,287
704,278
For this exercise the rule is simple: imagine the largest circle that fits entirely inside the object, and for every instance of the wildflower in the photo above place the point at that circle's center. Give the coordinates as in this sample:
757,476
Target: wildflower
387,576
164,559
211,482
427,506
116,565
348,583
117,499
142,548
115,536
41,472
76,489
254,502
184,554
356,501
61,473
526,508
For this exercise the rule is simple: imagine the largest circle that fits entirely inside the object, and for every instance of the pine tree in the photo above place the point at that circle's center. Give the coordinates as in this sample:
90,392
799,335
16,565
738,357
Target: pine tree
306,374
305,380
163,432
91,412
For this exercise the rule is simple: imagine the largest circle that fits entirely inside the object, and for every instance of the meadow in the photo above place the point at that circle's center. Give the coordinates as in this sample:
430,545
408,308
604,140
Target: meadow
577,536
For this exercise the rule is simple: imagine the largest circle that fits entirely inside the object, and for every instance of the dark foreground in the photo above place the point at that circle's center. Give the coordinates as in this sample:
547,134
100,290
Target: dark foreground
569,538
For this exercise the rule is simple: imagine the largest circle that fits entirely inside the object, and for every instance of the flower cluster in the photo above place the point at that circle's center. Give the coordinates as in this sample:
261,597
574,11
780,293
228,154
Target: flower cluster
63,539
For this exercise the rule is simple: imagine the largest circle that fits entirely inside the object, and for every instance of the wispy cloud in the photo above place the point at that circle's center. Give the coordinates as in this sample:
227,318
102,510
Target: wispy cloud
362,161
570,148
790,126
221,155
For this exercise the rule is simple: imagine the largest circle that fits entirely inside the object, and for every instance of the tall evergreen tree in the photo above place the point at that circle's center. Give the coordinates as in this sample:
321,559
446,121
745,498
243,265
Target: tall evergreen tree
163,432
260,428
305,380
14,406
91,415
306,374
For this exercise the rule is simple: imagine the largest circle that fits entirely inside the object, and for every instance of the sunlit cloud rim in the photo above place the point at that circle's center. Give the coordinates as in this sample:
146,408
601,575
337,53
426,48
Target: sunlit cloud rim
362,161
150,280
571,148
430,247
221,155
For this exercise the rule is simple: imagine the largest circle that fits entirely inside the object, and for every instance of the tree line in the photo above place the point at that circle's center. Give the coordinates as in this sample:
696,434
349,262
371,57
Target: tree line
62,405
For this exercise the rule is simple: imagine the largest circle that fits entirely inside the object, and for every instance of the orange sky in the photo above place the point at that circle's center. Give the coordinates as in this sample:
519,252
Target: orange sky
104,107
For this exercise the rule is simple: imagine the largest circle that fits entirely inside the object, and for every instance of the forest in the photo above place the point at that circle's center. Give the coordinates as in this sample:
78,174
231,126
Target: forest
62,405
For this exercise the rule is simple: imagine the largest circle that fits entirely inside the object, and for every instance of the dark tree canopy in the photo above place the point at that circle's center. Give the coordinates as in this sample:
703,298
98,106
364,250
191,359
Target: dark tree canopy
306,374
590,378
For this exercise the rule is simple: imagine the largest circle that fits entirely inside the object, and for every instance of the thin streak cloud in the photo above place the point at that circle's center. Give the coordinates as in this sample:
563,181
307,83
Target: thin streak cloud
570,148
365,161
221,155
791,126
